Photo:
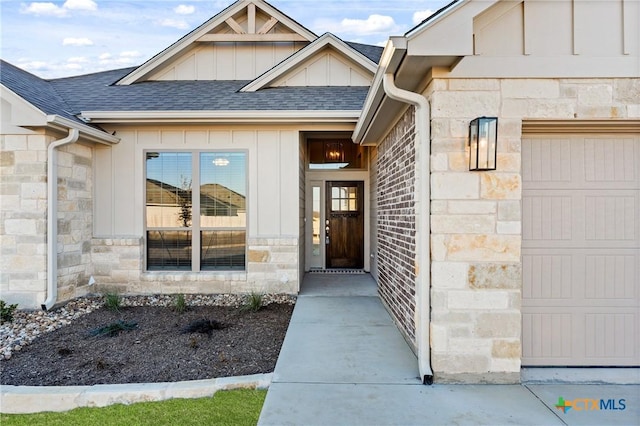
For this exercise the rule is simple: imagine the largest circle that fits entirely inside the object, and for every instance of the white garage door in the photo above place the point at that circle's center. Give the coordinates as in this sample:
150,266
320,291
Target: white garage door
581,251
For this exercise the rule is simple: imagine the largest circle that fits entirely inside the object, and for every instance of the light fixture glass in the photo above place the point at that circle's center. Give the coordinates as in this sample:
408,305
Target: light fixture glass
483,144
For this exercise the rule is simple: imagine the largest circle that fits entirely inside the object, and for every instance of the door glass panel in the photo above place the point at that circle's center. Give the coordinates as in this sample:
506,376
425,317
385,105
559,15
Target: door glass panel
344,199
316,221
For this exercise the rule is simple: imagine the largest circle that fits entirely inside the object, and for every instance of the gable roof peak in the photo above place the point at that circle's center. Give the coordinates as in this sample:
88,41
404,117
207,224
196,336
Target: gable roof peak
243,21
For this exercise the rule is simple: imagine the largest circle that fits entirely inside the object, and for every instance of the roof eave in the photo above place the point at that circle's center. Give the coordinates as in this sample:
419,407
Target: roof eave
241,116
88,133
392,56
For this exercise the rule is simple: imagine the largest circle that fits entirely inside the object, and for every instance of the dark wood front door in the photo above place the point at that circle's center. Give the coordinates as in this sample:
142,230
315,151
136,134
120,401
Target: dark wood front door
344,225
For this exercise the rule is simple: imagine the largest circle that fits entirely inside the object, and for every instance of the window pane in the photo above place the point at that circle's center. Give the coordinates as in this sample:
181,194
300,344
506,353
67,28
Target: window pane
169,200
169,250
223,250
223,189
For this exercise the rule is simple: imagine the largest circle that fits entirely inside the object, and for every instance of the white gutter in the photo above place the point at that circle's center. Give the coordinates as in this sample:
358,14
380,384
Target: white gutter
423,225
225,117
52,220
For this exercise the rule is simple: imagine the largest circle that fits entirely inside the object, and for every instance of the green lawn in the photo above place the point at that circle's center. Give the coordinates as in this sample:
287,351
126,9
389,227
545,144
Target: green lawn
238,407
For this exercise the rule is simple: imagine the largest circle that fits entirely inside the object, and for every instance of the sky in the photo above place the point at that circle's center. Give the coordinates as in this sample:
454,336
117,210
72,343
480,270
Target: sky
53,39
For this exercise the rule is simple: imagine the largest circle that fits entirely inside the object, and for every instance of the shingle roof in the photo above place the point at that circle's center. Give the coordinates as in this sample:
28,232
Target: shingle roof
34,90
70,96
374,53
95,92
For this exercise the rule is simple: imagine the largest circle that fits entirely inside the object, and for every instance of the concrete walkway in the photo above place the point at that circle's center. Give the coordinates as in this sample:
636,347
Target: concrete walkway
344,362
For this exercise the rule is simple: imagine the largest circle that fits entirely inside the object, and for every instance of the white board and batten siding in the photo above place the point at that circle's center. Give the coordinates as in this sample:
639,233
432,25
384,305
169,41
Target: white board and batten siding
581,250
227,61
272,157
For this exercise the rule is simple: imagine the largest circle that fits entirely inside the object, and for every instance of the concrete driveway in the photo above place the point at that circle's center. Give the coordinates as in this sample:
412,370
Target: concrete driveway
344,362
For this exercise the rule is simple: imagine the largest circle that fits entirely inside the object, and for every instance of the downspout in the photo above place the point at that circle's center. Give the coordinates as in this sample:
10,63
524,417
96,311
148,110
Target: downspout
52,220
423,225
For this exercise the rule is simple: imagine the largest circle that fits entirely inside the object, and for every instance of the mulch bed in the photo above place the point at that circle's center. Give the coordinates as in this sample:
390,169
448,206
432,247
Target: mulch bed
164,346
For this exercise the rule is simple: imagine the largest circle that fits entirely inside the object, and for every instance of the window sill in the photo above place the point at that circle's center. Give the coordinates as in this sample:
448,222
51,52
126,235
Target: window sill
188,276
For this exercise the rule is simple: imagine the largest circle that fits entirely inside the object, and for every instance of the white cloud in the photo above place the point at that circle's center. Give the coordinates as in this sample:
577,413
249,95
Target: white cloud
44,9
105,56
33,65
77,60
71,41
374,24
183,9
421,15
52,9
72,67
174,23
80,5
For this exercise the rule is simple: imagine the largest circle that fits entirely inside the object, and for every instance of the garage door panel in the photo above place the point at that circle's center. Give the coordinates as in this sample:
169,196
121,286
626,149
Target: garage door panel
548,216
610,160
550,334
581,251
580,163
581,218
580,337
610,277
589,277
611,215
546,275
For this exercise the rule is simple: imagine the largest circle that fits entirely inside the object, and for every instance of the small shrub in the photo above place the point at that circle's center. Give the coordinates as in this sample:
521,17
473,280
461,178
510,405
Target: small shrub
6,312
180,304
253,303
113,302
114,328
203,326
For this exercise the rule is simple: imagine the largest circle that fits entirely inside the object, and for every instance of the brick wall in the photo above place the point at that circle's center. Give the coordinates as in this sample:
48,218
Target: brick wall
396,223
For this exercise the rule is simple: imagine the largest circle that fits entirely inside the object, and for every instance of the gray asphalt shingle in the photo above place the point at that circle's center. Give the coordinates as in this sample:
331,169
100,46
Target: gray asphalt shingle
70,96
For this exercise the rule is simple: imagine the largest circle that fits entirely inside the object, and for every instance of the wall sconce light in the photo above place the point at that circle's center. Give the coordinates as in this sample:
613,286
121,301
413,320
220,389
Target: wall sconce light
483,144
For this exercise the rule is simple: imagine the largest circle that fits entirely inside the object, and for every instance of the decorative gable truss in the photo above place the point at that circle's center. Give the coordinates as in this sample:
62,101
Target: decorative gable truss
240,43
328,61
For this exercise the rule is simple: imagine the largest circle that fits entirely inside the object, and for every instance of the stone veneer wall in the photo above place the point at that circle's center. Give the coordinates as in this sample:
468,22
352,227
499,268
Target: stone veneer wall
75,220
272,267
476,217
23,219
396,223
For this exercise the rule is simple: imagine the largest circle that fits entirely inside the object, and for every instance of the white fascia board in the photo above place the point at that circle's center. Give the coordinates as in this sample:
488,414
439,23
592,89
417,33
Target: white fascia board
86,132
449,33
307,52
432,21
120,117
390,61
203,29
